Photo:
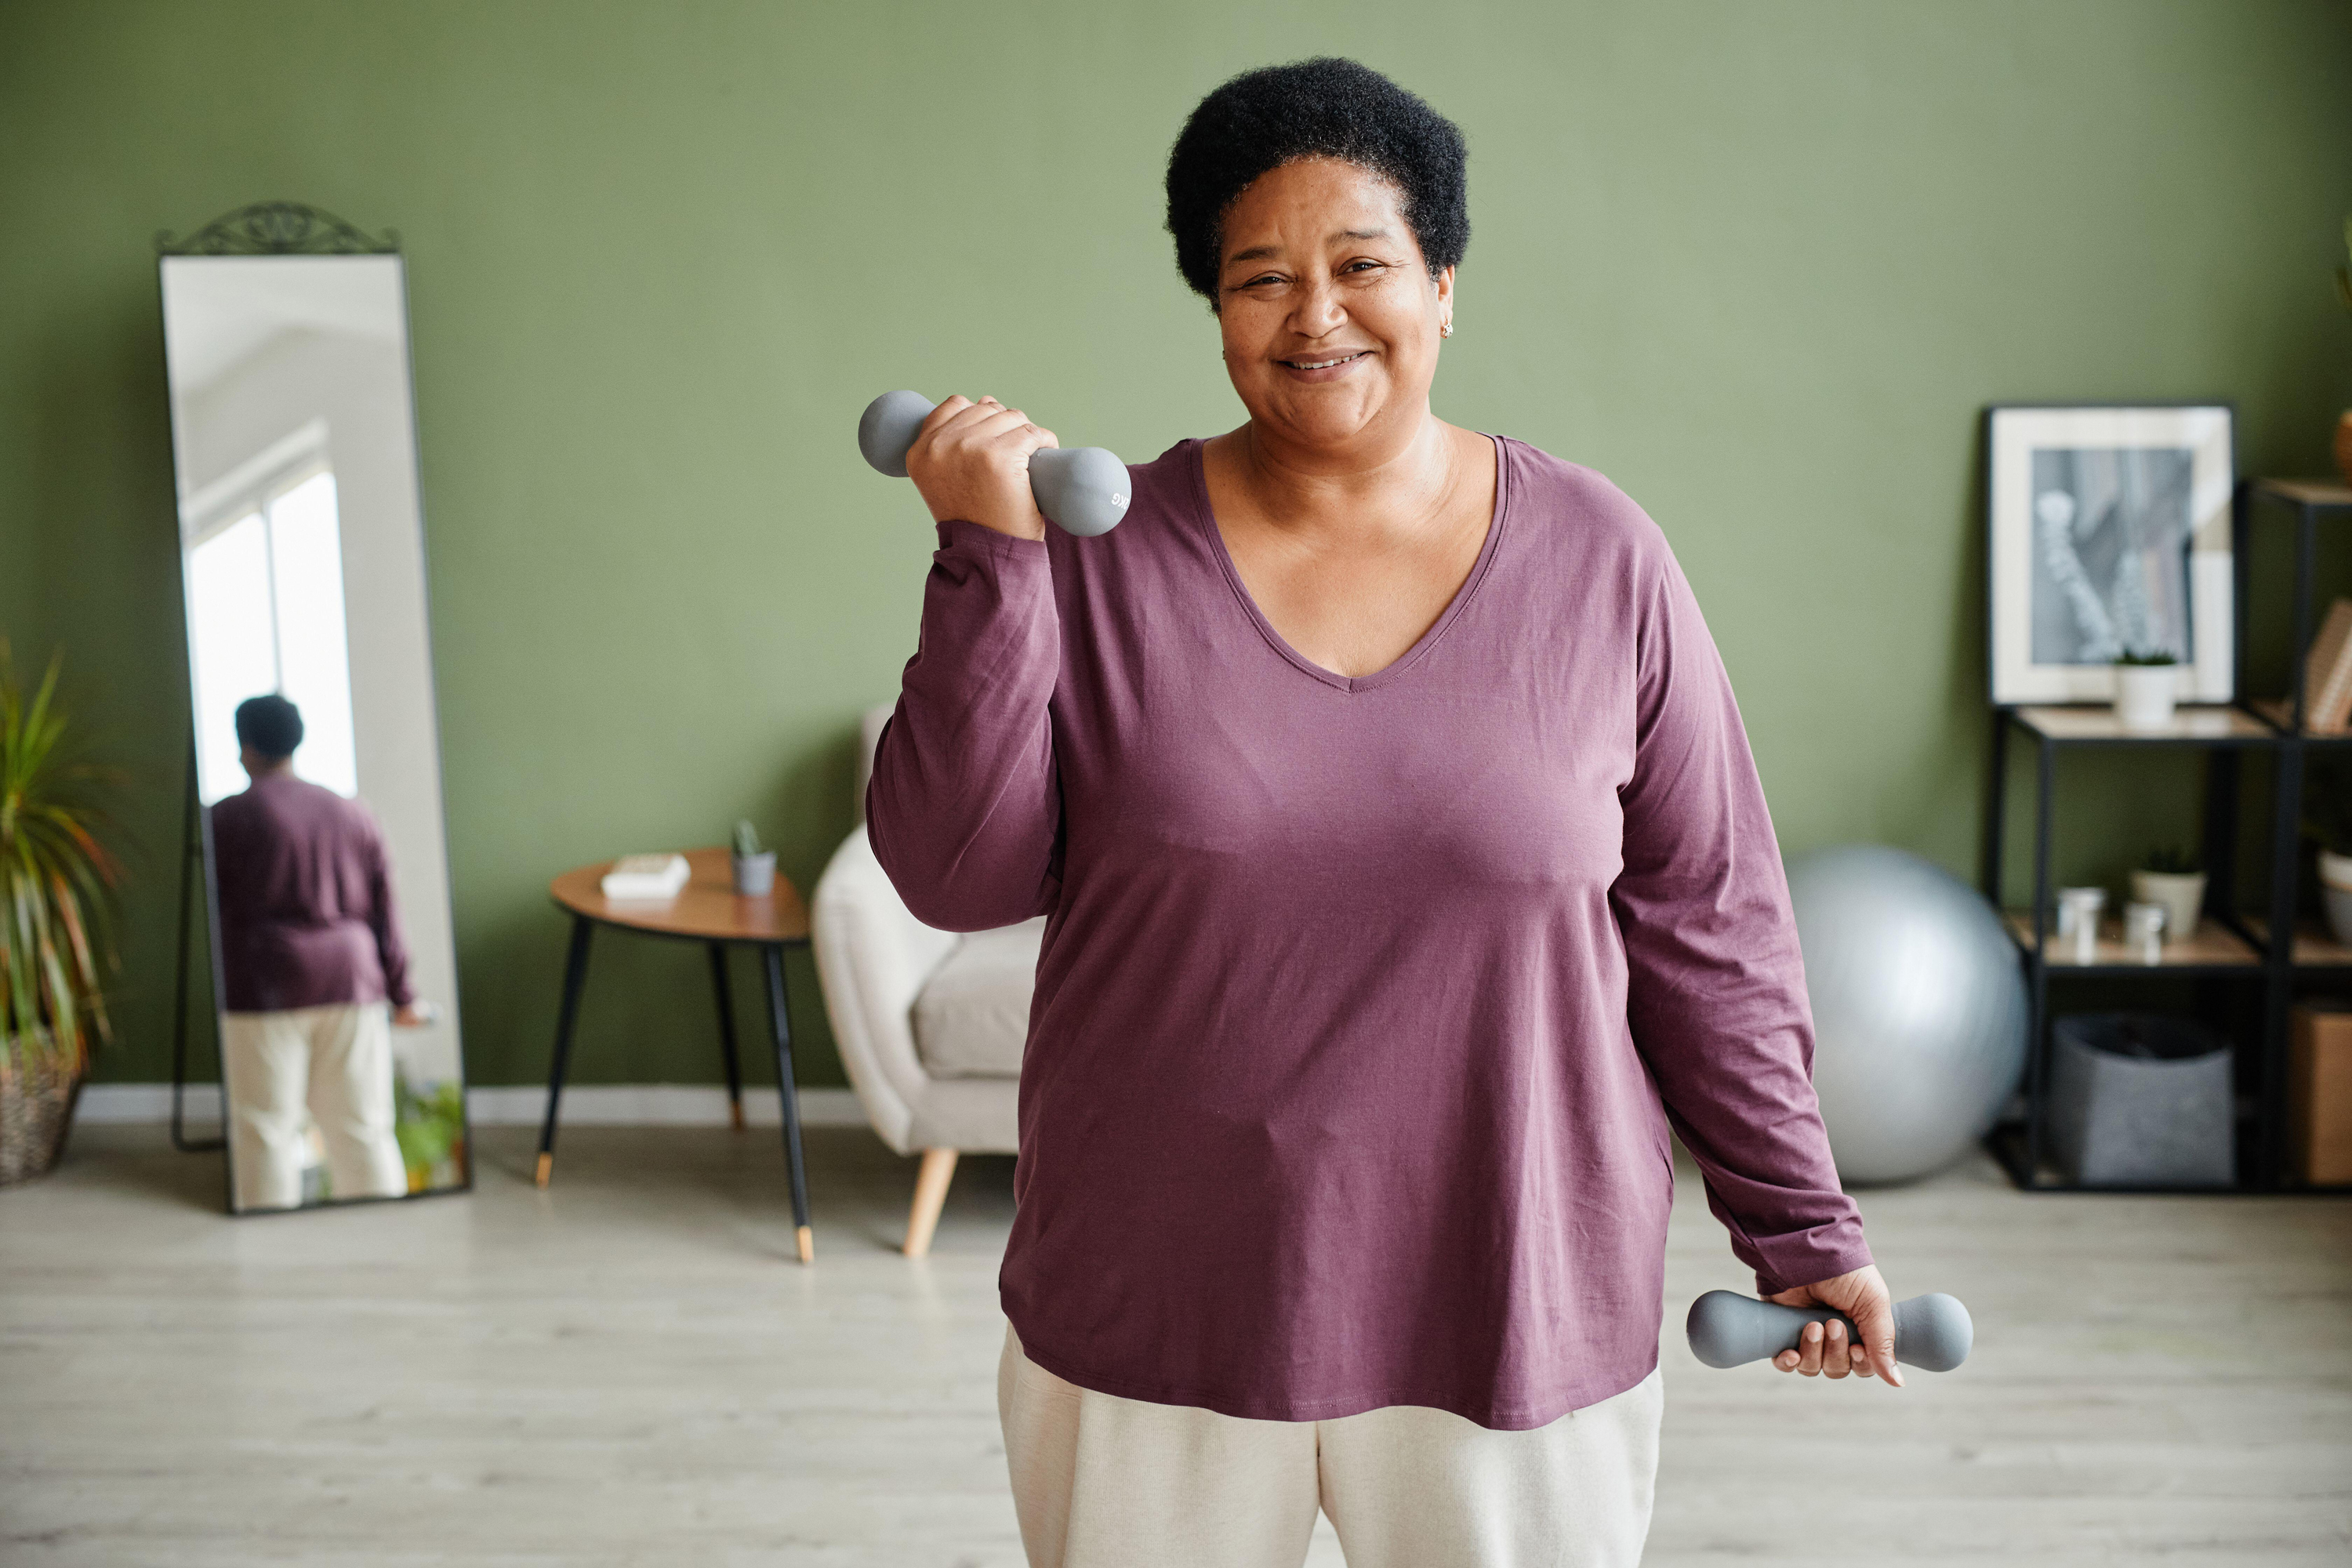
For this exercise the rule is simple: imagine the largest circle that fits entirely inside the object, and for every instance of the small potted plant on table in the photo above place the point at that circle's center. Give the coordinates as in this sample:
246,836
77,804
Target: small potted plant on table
56,882
2144,688
755,868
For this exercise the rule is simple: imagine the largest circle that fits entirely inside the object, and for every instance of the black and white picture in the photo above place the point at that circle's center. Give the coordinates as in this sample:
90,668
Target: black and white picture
2110,537
2110,553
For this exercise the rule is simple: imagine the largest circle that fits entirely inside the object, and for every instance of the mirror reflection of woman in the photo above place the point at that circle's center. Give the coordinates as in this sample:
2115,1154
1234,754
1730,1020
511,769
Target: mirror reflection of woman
1406,874
315,973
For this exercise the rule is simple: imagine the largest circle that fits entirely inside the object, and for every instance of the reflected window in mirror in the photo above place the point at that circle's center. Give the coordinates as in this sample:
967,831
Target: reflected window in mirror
265,613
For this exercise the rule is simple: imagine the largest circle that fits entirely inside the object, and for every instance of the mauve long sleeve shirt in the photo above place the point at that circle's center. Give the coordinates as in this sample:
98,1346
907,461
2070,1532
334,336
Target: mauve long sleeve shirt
305,907
1365,1002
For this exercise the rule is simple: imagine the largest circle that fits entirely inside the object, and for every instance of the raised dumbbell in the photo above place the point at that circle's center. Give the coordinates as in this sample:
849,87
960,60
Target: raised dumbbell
1081,489
1931,1333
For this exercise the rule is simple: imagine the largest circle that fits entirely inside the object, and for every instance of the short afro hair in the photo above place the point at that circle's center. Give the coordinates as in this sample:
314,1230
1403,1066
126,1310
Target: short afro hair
1323,108
269,725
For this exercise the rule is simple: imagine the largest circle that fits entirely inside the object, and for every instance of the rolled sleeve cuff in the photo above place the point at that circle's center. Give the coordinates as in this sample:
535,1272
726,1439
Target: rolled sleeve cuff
1807,1257
978,540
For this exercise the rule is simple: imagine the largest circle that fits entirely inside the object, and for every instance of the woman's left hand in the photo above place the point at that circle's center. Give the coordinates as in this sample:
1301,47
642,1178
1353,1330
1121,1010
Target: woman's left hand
1826,1351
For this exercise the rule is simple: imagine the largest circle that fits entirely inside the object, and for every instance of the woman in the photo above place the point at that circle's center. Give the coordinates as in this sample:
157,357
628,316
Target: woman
1406,875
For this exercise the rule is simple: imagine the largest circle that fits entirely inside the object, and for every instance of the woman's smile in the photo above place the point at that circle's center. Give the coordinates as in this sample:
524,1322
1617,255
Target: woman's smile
1326,366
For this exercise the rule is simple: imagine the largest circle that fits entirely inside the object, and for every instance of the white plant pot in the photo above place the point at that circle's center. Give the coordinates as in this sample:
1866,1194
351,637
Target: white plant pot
2335,892
755,874
2181,894
2144,695
2339,913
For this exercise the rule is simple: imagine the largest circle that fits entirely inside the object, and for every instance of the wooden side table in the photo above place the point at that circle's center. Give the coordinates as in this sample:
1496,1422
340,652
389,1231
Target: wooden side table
707,909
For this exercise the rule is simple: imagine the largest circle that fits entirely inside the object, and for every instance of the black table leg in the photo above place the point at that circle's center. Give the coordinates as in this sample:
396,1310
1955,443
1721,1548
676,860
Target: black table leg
781,1019
575,976
727,1033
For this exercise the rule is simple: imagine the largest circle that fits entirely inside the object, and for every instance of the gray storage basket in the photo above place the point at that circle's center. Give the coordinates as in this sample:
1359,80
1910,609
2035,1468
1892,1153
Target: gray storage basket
2139,1099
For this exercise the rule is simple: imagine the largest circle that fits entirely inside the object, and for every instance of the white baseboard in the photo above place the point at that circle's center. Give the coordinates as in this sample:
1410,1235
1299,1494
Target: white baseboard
522,1105
658,1105
146,1102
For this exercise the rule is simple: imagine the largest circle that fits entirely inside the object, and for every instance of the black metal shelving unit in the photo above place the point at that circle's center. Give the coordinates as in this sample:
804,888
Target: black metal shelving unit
2233,950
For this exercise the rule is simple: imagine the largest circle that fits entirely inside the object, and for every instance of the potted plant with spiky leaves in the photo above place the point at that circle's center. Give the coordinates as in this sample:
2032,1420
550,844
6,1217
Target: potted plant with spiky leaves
57,885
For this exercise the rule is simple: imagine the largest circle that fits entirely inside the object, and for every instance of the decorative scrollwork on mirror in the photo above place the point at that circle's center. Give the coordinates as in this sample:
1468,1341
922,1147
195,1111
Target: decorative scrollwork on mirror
278,228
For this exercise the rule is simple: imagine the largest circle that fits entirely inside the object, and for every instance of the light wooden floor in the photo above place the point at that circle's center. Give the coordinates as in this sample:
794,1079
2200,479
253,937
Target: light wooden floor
628,1369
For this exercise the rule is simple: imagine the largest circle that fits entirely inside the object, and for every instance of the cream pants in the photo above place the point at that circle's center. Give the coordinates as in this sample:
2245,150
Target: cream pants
331,1066
1099,1481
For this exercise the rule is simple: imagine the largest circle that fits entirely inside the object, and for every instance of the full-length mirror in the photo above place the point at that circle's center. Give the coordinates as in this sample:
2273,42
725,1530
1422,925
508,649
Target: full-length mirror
317,760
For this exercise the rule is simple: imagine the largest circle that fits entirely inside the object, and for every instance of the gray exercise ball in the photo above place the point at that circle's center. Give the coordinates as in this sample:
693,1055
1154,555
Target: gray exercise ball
1918,1009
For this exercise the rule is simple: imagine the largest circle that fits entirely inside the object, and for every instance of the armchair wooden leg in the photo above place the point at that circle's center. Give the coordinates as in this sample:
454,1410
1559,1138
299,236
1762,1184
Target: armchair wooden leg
930,1195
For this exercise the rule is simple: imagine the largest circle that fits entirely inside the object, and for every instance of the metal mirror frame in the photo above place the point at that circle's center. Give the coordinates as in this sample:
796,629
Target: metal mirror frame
283,229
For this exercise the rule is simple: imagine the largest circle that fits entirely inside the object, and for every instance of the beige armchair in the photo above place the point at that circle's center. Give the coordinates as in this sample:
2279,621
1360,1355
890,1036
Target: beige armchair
930,1023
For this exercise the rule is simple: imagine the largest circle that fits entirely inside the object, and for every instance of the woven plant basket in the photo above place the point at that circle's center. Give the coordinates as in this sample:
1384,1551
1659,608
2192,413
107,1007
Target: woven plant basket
37,1090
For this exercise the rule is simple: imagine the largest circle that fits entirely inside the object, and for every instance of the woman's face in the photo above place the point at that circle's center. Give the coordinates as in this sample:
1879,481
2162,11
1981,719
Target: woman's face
1329,315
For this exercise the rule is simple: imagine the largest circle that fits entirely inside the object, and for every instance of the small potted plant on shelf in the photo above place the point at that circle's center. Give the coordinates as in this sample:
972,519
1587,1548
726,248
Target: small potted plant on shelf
2144,687
57,881
2171,879
755,868
2328,820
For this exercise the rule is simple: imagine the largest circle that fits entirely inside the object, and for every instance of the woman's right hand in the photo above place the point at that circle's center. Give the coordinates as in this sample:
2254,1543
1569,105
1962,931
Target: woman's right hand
971,463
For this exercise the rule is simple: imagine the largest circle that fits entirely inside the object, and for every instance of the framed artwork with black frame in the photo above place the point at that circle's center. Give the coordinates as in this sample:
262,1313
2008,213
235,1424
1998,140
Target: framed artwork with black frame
2109,526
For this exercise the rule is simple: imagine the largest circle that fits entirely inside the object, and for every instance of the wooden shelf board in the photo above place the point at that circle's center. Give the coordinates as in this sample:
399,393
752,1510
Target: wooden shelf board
2277,709
2316,946
2089,722
2212,944
2307,492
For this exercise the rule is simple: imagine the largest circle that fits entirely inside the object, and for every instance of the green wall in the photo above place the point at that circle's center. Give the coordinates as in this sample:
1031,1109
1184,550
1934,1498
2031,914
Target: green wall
1761,264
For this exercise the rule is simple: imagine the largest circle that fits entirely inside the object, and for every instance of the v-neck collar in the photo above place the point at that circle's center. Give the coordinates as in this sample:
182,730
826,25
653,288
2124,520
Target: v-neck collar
1206,519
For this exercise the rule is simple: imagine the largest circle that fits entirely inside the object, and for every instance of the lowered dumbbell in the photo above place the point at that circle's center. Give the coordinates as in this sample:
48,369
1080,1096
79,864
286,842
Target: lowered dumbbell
1931,1333
1081,489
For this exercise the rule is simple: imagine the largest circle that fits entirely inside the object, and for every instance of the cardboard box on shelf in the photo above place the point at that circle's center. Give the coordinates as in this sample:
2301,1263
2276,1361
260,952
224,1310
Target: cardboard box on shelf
2319,1093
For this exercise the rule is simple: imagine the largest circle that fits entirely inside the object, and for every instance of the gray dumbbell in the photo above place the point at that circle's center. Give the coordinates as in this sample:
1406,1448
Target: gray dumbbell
1931,1333
1082,489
